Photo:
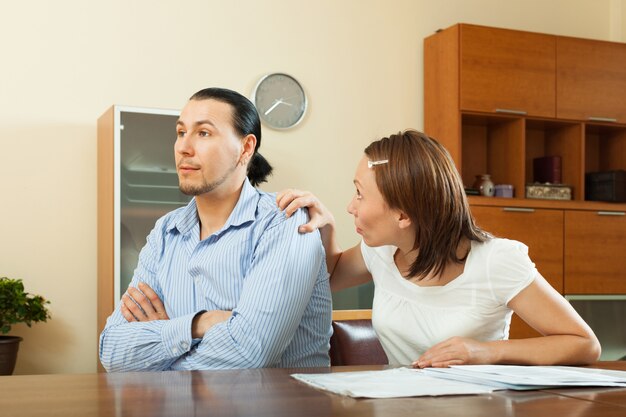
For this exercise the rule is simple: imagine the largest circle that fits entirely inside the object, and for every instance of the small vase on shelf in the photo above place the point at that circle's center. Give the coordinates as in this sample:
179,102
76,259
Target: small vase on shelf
484,185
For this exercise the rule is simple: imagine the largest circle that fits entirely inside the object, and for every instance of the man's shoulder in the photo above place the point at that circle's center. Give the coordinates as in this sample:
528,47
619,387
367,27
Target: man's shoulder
268,209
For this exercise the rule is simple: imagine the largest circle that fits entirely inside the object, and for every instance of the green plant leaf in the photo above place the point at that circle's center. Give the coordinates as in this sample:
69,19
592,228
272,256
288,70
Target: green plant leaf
18,306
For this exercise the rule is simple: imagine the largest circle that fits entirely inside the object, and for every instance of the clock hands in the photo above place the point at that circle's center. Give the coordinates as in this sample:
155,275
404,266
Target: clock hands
276,103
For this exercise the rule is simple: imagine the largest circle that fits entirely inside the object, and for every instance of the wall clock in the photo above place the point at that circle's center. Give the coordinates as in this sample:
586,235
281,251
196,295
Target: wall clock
280,100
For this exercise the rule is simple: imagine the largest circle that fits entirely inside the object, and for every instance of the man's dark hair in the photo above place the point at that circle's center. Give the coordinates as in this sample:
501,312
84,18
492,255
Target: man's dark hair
246,121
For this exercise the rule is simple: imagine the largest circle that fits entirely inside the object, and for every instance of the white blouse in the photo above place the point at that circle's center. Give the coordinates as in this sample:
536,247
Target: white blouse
410,318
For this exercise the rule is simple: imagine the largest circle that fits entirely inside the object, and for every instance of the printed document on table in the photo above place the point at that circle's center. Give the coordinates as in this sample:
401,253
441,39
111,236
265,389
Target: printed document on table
390,383
459,380
530,377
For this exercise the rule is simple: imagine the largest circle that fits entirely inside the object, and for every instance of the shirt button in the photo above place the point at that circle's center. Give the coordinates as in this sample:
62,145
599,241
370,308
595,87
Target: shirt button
175,351
184,345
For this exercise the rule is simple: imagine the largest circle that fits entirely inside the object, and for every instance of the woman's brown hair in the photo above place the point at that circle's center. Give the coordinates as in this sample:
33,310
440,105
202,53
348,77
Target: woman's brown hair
421,180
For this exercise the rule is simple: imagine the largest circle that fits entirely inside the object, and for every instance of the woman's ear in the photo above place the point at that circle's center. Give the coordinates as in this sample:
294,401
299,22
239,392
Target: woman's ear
403,220
247,149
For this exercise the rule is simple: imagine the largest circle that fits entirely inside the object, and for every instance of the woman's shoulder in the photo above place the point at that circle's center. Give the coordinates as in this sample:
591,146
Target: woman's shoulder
377,253
503,257
497,244
496,253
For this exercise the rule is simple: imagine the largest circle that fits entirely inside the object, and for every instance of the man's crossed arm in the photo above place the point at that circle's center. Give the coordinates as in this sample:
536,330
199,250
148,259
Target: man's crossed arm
143,304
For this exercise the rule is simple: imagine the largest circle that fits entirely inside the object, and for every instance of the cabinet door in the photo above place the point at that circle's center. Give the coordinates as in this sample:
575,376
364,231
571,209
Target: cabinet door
542,231
507,70
595,252
591,79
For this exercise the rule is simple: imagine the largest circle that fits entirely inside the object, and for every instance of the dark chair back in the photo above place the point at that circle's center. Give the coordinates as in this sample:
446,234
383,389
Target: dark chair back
354,341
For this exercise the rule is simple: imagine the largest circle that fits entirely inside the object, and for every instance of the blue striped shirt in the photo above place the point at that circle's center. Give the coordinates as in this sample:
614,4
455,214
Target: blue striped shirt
273,278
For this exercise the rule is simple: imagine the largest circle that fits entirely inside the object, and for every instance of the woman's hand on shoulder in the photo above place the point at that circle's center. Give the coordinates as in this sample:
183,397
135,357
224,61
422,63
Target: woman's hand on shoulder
290,200
456,351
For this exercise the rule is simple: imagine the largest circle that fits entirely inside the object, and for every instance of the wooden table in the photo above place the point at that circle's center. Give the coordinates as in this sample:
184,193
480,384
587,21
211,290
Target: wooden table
271,392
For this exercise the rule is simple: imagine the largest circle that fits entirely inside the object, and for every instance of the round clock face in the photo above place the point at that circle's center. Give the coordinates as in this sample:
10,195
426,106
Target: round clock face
280,101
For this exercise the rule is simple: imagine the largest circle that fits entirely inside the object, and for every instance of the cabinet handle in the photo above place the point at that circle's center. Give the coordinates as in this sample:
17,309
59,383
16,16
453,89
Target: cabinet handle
596,297
511,111
611,213
603,119
519,209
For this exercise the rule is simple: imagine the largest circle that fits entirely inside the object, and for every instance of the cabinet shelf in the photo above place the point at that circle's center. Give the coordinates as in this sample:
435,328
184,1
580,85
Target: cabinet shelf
486,140
505,147
548,204
556,138
605,147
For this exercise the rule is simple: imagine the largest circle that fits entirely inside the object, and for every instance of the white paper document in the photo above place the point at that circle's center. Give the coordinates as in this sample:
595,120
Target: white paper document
530,377
390,383
459,380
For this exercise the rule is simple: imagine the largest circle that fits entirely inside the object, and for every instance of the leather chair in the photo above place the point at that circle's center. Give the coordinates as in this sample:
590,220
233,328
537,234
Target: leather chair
354,341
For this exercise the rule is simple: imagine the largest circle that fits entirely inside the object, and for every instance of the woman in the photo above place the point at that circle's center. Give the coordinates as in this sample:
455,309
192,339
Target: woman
444,289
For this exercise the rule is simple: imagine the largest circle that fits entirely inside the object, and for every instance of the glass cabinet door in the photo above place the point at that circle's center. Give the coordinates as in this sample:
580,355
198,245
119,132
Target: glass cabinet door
148,182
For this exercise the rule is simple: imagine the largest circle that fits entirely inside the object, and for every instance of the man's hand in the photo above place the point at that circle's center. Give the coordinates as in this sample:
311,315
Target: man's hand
456,351
203,322
142,304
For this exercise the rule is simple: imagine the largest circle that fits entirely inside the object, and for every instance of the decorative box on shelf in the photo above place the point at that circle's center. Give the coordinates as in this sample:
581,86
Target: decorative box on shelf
549,191
606,186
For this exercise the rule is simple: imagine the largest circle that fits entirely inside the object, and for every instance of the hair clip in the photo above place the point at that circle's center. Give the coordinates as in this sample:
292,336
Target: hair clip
371,164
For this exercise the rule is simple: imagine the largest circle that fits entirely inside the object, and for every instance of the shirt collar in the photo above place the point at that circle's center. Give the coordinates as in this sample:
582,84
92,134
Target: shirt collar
244,212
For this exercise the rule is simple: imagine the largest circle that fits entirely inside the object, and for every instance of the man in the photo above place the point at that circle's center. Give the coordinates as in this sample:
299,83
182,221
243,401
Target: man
226,281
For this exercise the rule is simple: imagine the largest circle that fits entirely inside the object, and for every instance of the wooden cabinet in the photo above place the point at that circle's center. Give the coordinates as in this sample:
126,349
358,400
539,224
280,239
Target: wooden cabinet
595,252
541,230
473,73
591,80
507,71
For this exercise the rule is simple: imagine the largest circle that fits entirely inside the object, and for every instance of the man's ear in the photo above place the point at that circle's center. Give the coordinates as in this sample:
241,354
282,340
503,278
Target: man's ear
403,220
247,149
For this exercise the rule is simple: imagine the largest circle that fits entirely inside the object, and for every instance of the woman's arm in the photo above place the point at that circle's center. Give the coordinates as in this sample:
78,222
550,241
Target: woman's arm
350,270
566,340
346,268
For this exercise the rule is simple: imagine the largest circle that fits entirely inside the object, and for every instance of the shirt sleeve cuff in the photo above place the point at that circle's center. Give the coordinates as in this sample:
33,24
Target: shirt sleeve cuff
176,335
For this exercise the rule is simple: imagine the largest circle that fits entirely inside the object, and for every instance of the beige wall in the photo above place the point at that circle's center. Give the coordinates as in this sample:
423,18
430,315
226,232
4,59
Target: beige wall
621,11
65,62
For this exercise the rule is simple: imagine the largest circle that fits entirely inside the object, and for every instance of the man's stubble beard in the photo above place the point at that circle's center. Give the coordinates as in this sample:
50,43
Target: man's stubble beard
205,187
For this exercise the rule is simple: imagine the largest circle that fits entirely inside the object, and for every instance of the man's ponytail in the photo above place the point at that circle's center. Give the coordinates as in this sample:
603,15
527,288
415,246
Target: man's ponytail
258,169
